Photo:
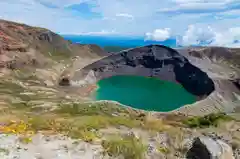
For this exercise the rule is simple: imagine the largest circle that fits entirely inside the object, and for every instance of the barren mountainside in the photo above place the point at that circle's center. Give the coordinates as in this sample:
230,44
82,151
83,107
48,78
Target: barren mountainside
38,45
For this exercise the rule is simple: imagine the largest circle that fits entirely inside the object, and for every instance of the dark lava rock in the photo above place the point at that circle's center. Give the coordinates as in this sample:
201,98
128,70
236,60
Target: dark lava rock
207,148
64,82
154,61
236,82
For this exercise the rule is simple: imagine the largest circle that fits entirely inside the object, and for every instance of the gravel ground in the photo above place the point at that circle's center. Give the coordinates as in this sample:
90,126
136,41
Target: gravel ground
47,147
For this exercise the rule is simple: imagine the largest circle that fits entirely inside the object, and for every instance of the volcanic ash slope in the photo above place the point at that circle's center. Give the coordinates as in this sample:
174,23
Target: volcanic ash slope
210,73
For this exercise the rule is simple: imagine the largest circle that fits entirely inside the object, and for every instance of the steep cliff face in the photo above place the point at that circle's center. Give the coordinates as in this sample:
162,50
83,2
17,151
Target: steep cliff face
154,61
222,66
209,72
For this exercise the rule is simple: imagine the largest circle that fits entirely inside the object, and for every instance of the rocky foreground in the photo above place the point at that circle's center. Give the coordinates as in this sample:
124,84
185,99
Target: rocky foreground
40,119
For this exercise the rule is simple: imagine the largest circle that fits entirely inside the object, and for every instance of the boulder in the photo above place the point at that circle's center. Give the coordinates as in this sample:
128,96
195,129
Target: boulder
208,148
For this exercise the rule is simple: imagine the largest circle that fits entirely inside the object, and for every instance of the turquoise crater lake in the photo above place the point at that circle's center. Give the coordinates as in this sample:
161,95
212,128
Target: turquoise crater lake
144,93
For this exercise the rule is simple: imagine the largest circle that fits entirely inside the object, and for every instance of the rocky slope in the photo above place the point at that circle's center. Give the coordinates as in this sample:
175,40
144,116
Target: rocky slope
222,66
205,72
153,61
41,52
40,119
22,45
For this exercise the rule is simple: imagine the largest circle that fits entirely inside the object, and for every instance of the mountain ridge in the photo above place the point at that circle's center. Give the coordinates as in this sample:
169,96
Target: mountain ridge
22,38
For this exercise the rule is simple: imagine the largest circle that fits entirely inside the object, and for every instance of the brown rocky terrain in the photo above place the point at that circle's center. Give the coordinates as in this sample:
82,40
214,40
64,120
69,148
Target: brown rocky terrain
40,119
41,52
22,45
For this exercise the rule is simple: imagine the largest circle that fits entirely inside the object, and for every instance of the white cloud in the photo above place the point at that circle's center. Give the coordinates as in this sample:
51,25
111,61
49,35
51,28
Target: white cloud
195,35
126,18
193,6
102,32
227,38
202,1
124,15
159,34
62,3
55,19
234,45
209,36
231,13
187,1
196,6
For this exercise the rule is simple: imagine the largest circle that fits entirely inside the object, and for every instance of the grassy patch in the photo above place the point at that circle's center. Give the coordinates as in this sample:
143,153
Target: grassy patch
14,90
163,150
114,48
25,139
90,109
88,122
97,122
25,74
207,120
83,120
4,150
154,124
39,123
81,127
97,115
20,105
85,135
57,55
129,147
8,87
100,115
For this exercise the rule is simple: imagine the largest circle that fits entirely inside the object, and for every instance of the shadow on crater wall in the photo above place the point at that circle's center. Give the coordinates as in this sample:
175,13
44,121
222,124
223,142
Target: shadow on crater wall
153,61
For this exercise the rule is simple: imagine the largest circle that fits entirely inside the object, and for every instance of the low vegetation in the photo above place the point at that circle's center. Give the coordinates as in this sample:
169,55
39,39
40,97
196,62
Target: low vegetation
7,87
25,140
128,147
115,48
75,109
101,115
163,150
207,120
85,135
4,150
77,120
85,121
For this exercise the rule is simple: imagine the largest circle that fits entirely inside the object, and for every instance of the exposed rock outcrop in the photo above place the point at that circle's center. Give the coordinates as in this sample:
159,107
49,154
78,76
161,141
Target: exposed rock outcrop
230,55
222,66
153,61
203,71
207,148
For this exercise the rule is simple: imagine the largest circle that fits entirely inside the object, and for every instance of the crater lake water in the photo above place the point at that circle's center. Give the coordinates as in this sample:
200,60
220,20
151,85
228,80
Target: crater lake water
145,93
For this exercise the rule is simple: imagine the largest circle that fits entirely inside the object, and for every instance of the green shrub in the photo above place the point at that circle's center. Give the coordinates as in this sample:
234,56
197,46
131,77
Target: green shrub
4,150
163,150
90,109
128,147
85,135
207,120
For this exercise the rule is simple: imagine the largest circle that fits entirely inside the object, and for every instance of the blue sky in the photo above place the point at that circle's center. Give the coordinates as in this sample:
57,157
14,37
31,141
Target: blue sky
192,21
